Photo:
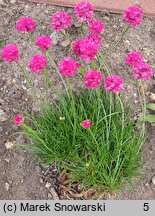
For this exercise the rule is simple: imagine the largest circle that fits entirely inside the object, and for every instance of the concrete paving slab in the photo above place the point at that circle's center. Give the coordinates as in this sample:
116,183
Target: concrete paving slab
116,6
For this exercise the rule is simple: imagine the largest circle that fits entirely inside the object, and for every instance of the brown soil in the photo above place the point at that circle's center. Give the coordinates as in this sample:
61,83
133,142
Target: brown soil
20,177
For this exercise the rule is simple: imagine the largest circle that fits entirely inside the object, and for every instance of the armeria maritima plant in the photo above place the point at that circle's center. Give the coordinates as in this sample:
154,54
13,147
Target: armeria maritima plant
88,131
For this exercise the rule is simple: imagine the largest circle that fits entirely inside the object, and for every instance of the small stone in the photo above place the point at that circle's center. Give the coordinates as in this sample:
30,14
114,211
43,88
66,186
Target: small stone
55,38
77,24
2,2
106,18
152,96
7,186
22,180
146,51
41,180
38,169
65,43
127,42
3,116
50,196
9,145
7,160
48,185
135,95
153,180
54,194
12,1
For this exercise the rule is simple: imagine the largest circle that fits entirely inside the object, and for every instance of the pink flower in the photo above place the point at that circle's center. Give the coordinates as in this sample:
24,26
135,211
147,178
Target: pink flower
134,58
85,49
86,124
25,24
10,53
44,42
68,67
96,26
83,11
113,83
133,15
18,119
60,21
38,63
92,79
94,38
142,71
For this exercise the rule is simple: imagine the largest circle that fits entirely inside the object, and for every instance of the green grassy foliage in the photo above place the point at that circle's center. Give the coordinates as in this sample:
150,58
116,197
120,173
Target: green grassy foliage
102,156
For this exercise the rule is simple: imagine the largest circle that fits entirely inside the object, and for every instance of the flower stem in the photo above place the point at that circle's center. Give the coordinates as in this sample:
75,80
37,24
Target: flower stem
32,38
28,81
57,70
73,105
50,82
142,134
122,109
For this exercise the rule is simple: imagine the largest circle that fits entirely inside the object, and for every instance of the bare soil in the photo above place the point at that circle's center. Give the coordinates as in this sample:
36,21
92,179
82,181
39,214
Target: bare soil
20,176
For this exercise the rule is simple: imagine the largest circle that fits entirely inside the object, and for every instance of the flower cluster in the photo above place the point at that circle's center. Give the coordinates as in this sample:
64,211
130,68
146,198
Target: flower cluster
18,119
96,27
86,124
134,58
25,24
85,49
133,15
10,53
38,63
94,38
141,70
92,79
83,11
68,67
113,83
60,21
44,42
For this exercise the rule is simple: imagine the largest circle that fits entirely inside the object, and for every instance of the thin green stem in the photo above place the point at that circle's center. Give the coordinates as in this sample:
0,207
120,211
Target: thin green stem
73,105
122,109
50,82
29,82
143,102
32,38
103,62
57,70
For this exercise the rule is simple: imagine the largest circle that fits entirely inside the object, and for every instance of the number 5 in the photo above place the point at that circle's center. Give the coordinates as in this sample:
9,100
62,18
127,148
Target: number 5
146,207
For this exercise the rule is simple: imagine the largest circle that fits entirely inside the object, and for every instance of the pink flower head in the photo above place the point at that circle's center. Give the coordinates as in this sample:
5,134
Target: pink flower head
92,79
142,71
44,42
68,67
96,26
38,63
86,124
83,11
18,119
113,83
94,38
60,21
85,49
134,58
10,53
133,15
25,24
